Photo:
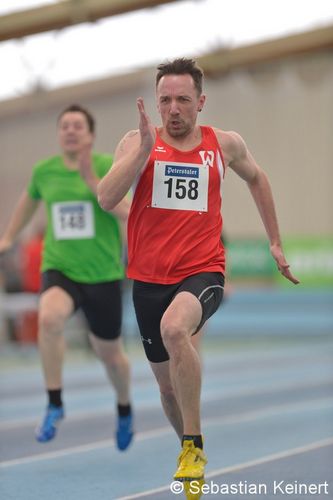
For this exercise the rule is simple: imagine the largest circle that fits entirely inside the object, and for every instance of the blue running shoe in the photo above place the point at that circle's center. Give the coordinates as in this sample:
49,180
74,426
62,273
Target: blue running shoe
48,429
124,432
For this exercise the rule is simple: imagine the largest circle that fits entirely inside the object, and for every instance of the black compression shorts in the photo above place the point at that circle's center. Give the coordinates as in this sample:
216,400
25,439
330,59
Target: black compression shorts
101,302
151,301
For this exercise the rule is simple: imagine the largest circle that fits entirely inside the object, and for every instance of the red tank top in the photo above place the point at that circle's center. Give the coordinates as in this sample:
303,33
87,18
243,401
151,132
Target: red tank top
175,222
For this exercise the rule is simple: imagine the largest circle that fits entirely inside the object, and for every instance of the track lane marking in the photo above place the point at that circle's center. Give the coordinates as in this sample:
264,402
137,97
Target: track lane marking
141,436
244,465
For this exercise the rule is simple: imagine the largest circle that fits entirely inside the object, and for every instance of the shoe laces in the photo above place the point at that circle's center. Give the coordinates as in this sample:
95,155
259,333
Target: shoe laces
50,418
188,451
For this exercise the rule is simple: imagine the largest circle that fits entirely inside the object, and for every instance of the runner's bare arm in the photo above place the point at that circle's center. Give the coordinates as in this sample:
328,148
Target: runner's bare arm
242,162
121,210
85,167
22,214
131,156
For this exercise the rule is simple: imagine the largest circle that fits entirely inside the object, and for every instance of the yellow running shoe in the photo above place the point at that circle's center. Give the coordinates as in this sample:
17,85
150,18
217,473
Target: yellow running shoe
191,463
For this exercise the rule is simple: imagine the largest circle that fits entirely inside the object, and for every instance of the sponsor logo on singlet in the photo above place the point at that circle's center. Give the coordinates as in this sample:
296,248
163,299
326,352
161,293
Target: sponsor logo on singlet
177,171
207,158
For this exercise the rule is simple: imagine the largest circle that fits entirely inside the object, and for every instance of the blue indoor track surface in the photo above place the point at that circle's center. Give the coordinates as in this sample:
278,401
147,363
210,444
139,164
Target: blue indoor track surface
267,412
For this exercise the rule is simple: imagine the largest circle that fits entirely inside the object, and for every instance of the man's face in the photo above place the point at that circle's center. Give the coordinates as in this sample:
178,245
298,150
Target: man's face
178,103
73,132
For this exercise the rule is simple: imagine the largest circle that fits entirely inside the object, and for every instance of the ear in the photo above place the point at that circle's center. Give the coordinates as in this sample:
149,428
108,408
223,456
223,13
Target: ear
201,102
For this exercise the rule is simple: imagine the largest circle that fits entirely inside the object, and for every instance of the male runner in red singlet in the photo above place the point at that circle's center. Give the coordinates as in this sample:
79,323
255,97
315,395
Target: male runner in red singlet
176,256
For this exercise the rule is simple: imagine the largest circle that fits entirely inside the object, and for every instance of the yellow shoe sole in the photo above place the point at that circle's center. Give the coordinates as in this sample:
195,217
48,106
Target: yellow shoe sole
193,489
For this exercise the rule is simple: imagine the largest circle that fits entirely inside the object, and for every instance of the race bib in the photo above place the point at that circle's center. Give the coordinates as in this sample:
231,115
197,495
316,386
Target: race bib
180,186
73,220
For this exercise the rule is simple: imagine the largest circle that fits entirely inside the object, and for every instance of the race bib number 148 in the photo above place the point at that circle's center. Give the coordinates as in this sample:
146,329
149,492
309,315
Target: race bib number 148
180,186
73,220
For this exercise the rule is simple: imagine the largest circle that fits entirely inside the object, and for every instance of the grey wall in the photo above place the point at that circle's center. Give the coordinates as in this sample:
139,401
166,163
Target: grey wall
283,110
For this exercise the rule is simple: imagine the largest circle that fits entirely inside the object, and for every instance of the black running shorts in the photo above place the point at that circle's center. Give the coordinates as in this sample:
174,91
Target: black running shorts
101,302
151,301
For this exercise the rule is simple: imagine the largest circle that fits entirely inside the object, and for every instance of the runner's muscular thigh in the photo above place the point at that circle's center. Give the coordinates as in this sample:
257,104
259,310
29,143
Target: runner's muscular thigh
185,311
55,306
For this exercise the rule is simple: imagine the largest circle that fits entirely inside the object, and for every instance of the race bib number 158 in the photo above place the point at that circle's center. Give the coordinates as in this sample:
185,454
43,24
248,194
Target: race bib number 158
180,186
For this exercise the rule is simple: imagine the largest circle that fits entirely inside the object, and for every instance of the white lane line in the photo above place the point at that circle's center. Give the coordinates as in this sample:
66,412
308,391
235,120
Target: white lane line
237,467
211,395
207,422
96,445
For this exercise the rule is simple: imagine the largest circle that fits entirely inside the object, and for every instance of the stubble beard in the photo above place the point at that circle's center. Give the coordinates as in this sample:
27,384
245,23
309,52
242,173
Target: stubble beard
178,133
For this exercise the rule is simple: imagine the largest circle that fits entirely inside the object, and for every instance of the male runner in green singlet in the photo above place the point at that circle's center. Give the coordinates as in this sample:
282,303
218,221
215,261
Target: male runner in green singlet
81,264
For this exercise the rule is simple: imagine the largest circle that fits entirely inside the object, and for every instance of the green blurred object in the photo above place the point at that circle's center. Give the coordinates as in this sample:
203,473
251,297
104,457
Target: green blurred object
250,259
310,259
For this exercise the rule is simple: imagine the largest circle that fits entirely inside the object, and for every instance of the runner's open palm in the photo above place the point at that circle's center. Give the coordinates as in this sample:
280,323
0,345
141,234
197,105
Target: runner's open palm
282,264
147,130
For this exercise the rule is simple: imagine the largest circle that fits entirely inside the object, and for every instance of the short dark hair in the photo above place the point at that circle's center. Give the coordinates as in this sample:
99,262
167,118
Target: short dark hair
76,108
182,66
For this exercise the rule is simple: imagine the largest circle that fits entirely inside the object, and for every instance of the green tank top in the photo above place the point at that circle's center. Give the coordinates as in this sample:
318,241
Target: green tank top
81,240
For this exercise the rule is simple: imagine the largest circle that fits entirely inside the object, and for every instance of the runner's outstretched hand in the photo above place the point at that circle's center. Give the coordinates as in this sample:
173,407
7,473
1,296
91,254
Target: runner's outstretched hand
147,130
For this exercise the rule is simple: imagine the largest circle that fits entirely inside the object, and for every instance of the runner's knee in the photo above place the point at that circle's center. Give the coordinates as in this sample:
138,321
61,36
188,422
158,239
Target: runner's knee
51,320
173,333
